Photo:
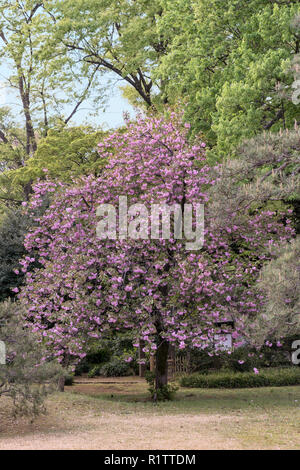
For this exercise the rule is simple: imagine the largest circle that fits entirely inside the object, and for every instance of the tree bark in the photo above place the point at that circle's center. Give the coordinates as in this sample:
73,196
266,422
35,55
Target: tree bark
152,363
61,384
161,366
142,355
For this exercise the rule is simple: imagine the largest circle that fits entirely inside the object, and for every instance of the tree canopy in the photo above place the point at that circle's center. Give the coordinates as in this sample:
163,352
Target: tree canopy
229,60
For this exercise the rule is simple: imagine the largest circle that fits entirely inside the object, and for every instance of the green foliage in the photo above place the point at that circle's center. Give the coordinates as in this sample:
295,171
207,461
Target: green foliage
12,156
228,60
244,359
69,379
279,283
200,361
116,367
25,378
13,228
264,175
94,372
265,378
65,153
98,353
49,88
241,359
108,357
118,37
166,392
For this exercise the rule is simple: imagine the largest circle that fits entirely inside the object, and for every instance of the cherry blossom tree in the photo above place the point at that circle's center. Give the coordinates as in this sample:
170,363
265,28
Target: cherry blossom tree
166,294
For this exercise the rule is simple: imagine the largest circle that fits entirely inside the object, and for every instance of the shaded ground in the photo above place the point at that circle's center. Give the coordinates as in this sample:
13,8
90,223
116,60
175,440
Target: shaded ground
99,414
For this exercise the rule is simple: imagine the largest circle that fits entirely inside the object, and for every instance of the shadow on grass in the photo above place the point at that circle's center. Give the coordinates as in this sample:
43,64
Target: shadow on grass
203,400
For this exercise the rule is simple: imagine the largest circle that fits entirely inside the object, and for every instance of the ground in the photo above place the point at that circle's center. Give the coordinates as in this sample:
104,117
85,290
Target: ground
116,414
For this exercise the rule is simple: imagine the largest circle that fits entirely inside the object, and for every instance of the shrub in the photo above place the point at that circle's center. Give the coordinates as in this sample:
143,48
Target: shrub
116,368
94,372
69,379
166,392
83,368
201,361
98,353
242,359
106,353
227,379
26,377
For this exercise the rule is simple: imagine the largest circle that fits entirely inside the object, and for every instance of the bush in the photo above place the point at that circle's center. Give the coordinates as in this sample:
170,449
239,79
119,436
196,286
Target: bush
69,379
227,379
26,377
83,368
166,392
98,353
116,368
94,372
200,361
106,356
242,359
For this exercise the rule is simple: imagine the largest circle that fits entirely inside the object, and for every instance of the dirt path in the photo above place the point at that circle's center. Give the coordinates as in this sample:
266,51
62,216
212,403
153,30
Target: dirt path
123,432
75,422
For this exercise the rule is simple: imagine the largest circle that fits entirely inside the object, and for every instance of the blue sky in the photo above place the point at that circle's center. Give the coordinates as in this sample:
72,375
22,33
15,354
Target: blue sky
112,117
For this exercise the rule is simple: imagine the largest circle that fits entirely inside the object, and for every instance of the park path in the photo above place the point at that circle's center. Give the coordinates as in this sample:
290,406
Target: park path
114,432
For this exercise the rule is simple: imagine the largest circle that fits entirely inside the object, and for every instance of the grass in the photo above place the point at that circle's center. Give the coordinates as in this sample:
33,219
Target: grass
120,416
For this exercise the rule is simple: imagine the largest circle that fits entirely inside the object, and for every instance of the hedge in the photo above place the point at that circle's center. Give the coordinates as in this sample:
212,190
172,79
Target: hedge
265,378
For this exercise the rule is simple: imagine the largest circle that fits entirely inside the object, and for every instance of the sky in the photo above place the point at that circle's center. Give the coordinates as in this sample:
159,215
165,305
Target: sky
112,117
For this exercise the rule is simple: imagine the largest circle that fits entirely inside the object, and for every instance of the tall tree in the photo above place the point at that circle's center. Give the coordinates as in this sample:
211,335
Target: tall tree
229,60
47,85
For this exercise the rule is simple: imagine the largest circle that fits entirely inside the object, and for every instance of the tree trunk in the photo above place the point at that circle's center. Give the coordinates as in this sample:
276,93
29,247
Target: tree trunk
161,366
31,144
61,384
142,356
152,363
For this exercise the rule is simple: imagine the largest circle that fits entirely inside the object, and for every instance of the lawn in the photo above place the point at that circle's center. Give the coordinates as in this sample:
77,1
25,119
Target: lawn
116,414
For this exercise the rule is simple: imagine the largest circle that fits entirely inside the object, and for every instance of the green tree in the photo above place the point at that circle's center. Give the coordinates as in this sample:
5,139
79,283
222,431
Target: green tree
25,377
265,175
118,37
49,87
64,153
229,60
14,225
13,228
279,283
12,156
